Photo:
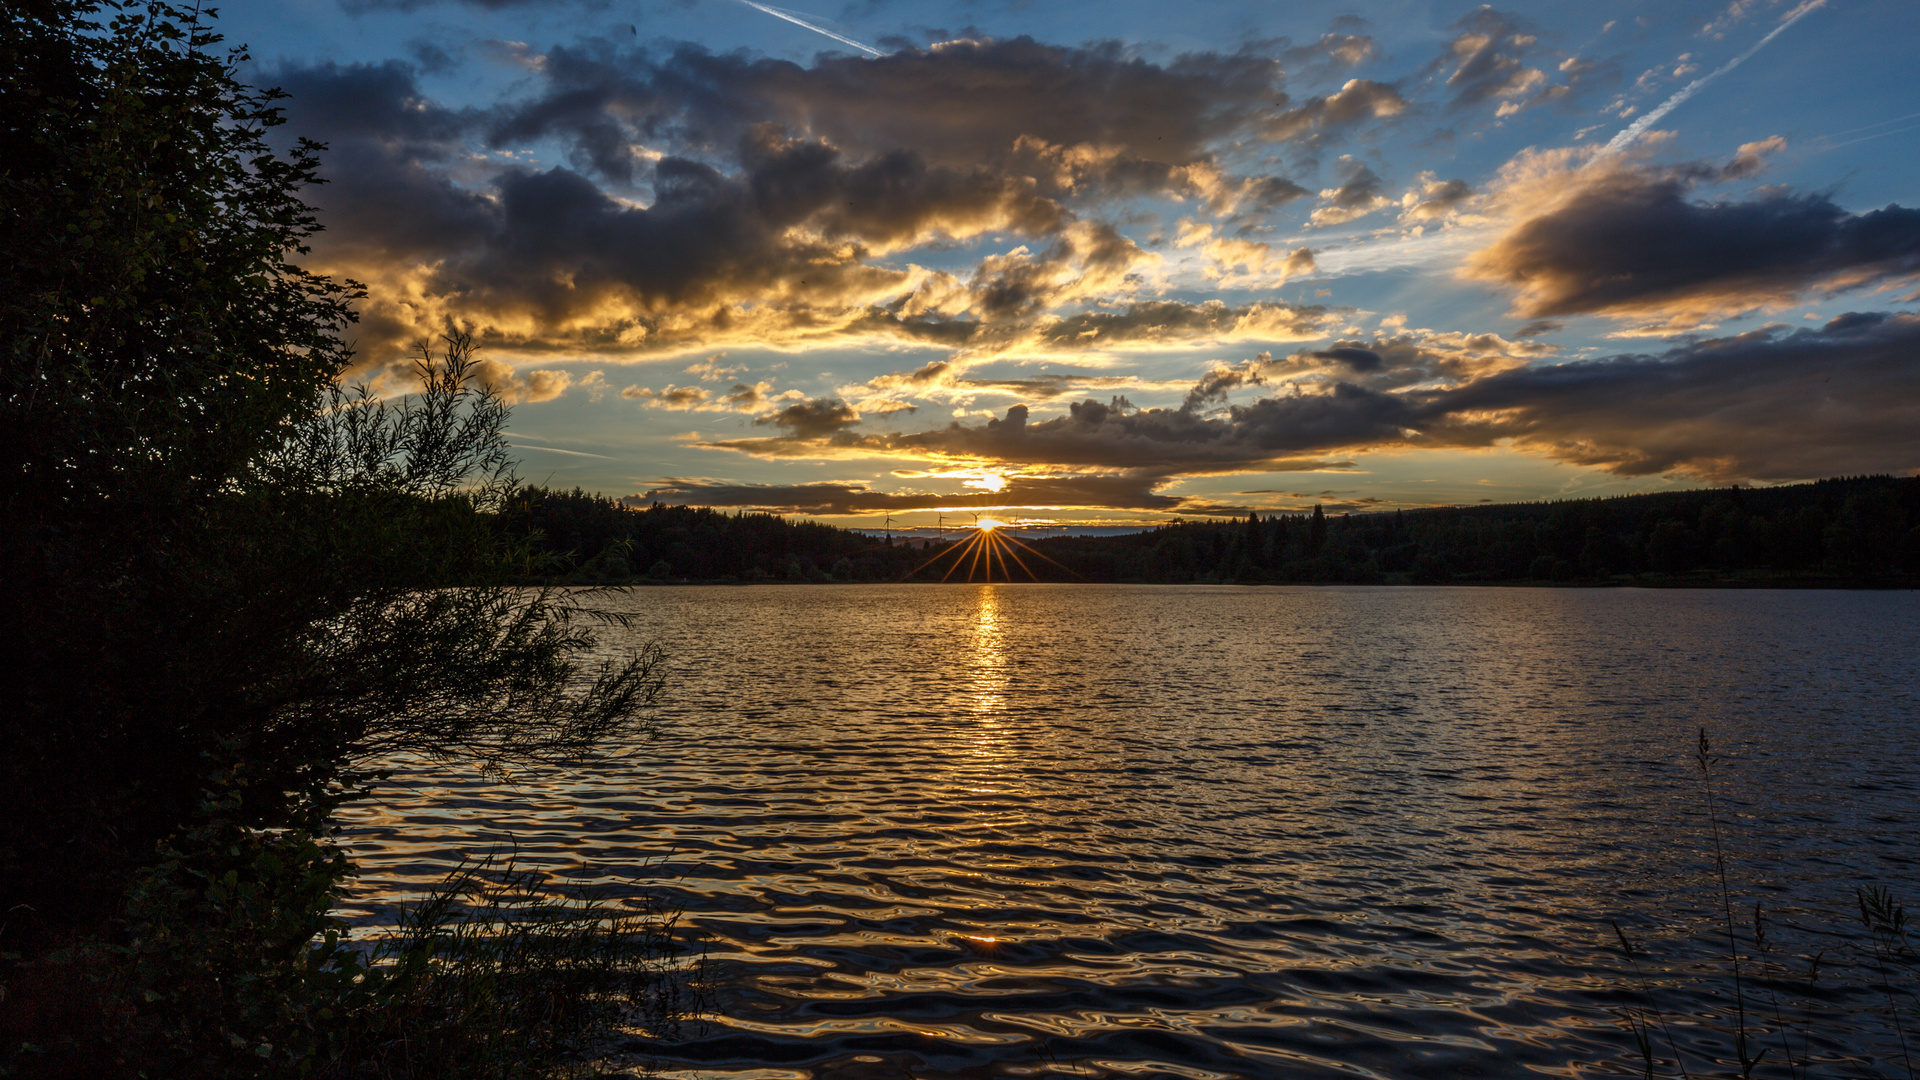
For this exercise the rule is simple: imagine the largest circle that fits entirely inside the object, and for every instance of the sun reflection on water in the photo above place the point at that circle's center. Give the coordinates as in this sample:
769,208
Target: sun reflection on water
988,672
987,677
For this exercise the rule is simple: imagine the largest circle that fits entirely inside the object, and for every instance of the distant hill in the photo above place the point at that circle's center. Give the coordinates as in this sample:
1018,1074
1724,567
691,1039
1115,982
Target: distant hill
1849,531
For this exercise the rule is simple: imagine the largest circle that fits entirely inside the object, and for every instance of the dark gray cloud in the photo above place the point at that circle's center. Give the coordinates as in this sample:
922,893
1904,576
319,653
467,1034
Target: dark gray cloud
1769,405
1631,242
383,101
1433,199
431,56
1333,52
1269,434
1268,192
1170,320
1042,387
388,194
1358,360
1148,322
1212,388
794,226
772,233
1360,187
1090,123
813,419
1407,359
711,237
1357,195
1540,328
560,244
960,103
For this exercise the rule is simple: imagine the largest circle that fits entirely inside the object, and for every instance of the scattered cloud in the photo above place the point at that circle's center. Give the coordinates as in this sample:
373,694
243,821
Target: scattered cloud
813,419
1751,158
514,389
1433,199
1358,195
670,397
1358,101
739,398
1488,61
711,370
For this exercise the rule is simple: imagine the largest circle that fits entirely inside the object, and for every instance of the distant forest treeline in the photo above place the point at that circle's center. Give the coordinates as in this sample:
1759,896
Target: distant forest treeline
1848,531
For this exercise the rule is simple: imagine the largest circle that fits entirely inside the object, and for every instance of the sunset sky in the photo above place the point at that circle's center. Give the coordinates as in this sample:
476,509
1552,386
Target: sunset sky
1121,262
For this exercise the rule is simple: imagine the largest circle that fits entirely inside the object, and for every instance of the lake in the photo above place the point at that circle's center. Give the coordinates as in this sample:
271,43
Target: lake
1212,831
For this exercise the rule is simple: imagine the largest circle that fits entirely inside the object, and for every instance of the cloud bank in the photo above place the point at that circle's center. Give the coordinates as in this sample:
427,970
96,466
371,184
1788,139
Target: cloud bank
1771,405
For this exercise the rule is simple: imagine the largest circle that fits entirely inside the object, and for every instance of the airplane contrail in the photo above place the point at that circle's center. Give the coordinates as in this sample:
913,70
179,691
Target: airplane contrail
1638,127
1864,138
557,450
798,21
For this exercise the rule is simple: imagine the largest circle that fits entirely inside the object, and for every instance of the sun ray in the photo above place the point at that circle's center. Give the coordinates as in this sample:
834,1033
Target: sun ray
960,558
1015,555
1038,554
937,556
982,550
941,554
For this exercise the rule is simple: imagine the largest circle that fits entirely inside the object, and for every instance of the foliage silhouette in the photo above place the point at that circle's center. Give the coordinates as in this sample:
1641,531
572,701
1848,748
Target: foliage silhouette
231,587
1688,1012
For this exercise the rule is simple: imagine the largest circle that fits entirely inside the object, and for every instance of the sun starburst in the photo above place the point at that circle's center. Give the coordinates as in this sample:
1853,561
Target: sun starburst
986,553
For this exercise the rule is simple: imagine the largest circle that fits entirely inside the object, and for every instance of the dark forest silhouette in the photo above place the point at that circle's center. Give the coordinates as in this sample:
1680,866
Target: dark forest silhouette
1838,532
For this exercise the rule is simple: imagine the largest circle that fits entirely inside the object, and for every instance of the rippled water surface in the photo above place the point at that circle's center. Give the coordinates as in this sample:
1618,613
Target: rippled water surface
1018,830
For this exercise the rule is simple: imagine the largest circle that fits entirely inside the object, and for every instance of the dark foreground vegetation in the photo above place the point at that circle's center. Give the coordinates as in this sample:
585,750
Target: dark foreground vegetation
231,591
1722,984
1858,531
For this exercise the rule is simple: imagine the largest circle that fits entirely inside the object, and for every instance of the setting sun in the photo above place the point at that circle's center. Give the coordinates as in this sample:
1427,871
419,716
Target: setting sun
989,481
989,523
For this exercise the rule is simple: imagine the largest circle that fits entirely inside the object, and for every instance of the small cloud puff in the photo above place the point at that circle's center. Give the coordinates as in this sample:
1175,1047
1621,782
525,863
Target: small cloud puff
671,397
1358,195
1433,199
514,389
1358,101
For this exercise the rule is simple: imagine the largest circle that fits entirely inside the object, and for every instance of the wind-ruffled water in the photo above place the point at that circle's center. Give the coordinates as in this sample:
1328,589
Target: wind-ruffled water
1017,830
